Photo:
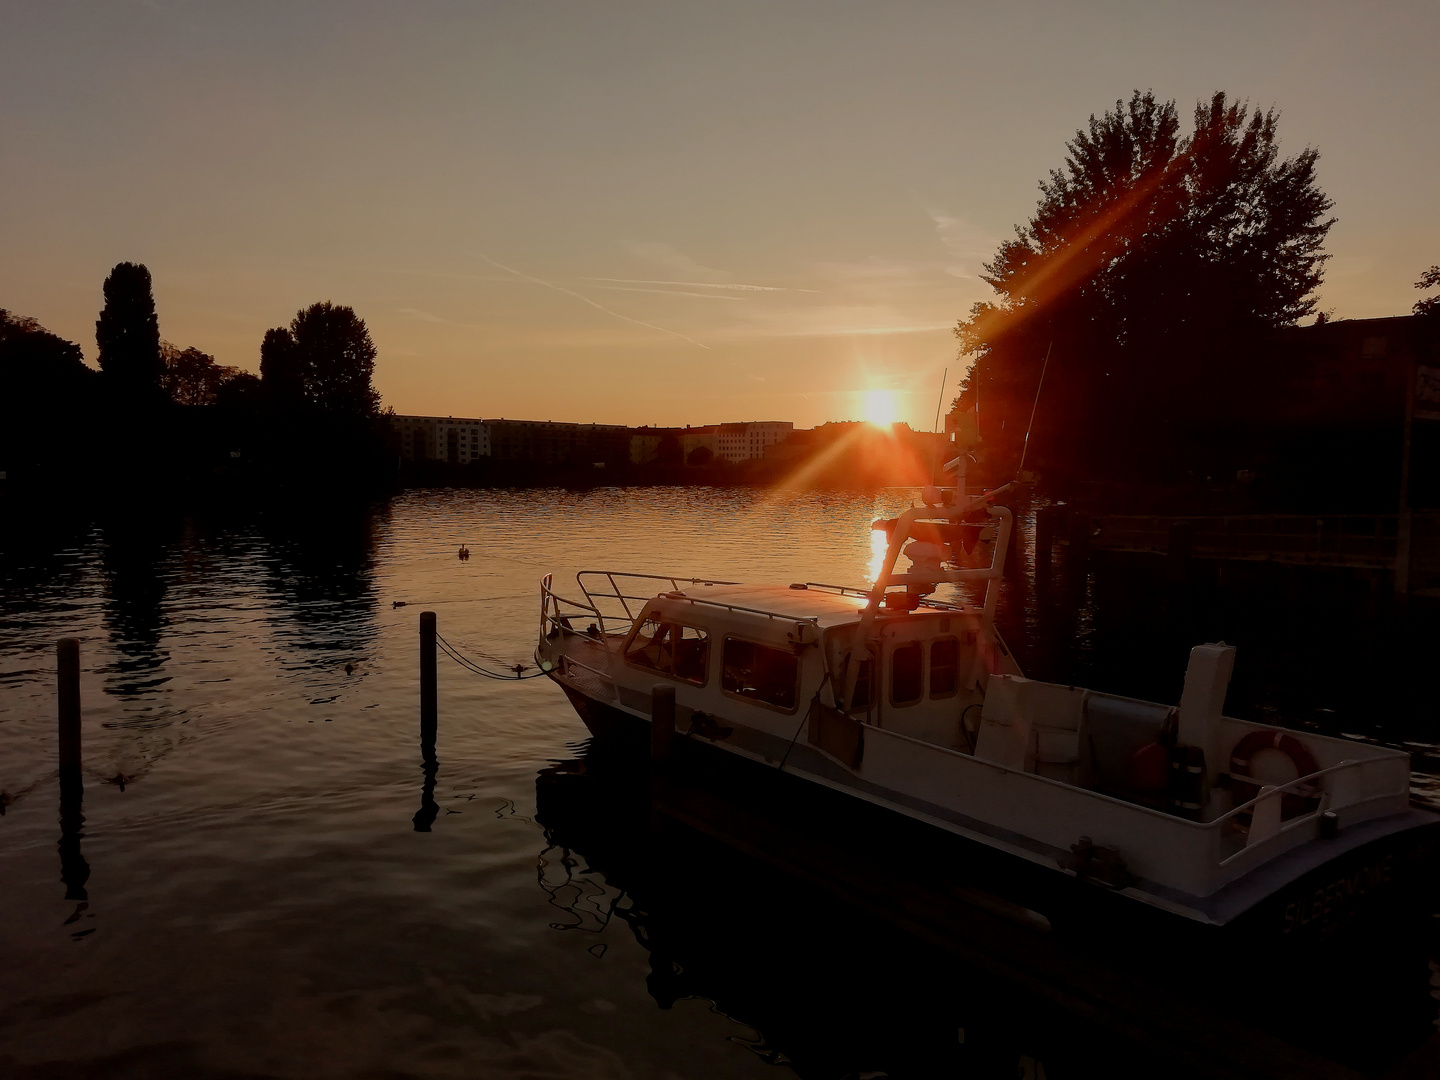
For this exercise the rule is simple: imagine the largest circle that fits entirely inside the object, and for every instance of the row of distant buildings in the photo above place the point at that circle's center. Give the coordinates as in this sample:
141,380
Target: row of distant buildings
461,440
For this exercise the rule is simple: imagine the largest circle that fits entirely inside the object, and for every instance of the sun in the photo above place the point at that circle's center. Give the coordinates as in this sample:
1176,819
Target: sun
882,407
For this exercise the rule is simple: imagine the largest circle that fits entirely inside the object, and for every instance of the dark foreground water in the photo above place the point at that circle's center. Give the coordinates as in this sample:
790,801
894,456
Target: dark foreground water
267,883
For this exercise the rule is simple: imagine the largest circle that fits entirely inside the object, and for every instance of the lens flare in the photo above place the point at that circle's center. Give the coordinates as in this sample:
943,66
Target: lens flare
879,548
882,407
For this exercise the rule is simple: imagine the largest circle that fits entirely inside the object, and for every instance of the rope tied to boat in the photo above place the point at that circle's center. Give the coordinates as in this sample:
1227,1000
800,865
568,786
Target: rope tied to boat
518,671
803,717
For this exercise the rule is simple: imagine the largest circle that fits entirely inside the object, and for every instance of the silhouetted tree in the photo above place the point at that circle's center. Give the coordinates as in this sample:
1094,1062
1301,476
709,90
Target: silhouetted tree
193,377
241,391
335,360
280,369
1152,262
43,379
1429,305
128,333
318,411
701,455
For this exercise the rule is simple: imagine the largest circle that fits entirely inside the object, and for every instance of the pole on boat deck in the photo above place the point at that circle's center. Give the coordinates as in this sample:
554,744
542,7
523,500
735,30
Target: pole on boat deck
662,722
428,710
67,671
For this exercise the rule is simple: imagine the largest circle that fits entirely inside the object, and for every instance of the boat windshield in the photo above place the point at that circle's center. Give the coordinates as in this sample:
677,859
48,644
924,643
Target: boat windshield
682,652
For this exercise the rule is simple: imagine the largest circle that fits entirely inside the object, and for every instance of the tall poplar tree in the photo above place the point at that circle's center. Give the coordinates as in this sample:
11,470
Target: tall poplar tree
128,333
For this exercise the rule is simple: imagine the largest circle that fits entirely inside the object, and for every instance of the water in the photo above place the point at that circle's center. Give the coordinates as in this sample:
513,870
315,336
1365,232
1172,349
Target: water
251,895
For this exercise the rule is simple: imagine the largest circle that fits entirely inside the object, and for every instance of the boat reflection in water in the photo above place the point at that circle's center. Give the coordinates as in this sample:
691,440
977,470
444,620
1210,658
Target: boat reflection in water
845,963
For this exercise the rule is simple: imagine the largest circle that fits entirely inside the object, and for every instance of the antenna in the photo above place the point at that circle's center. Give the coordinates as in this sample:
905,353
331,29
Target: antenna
941,402
1025,449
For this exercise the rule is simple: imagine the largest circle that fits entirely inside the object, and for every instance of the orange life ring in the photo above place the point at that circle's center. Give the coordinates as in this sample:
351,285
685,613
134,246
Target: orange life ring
1245,789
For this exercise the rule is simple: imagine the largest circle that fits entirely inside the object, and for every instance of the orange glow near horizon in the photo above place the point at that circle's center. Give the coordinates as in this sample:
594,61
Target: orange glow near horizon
882,407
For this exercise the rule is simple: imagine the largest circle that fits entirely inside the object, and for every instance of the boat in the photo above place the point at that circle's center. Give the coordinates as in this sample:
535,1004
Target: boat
1069,810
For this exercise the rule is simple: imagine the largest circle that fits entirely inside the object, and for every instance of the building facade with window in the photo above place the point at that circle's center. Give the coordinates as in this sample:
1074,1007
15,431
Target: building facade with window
456,439
750,440
548,442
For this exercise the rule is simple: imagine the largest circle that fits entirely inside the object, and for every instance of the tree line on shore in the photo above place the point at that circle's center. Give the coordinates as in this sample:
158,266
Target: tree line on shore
1136,335
157,413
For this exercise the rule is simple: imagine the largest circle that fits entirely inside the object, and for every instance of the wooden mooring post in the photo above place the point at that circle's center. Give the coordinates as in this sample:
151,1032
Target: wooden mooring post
67,678
74,870
428,697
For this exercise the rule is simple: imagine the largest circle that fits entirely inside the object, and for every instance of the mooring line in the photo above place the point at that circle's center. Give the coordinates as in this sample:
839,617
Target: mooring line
470,665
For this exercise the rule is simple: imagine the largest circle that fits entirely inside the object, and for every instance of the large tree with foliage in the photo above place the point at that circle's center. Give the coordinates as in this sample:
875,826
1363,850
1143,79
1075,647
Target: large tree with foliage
325,358
1153,261
1429,305
192,377
45,387
128,333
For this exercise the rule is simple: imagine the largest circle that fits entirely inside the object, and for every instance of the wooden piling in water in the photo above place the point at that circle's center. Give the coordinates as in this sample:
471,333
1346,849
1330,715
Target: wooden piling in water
662,723
428,695
67,678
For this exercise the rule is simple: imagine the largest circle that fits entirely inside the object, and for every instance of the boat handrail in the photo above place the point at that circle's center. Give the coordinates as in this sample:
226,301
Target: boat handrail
1270,792
864,594
553,620
1274,790
814,620
624,598
843,590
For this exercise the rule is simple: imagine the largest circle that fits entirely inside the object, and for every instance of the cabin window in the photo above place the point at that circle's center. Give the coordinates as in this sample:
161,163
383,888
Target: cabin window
681,652
907,673
944,666
761,673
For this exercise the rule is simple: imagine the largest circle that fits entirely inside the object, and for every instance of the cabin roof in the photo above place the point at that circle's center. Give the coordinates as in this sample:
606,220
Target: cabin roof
828,608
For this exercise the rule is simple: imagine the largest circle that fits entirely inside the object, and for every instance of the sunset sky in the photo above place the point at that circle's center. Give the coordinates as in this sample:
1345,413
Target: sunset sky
644,212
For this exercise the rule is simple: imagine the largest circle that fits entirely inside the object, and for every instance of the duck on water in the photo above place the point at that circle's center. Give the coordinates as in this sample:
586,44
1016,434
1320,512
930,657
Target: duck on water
909,713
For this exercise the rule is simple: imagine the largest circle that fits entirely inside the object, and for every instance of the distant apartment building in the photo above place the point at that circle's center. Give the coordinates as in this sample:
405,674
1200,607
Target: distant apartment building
649,444
456,439
700,438
748,441
548,442
460,440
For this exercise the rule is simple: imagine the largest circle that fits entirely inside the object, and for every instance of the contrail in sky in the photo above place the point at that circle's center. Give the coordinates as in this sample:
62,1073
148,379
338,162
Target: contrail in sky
668,292
732,286
571,292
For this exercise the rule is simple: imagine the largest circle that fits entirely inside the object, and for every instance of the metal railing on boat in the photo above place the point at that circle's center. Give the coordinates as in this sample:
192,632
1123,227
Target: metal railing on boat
1343,789
597,597
556,611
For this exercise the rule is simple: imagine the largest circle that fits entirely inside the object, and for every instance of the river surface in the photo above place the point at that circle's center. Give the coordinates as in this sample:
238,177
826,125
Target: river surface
268,885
